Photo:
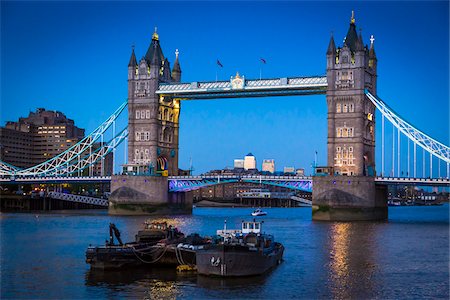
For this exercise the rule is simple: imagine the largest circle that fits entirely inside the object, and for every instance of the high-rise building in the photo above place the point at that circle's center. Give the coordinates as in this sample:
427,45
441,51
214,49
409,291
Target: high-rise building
268,165
42,135
249,162
238,163
289,170
300,172
37,138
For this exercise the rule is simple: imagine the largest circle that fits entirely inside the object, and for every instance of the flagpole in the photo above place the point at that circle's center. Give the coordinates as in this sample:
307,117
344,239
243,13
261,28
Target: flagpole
260,69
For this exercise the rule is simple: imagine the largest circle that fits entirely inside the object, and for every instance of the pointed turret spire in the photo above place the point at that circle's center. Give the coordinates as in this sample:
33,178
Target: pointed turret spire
133,62
351,38
360,43
166,70
176,71
154,52
331,46
372,48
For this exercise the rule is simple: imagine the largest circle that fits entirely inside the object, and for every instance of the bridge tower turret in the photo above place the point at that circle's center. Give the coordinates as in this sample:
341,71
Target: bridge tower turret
153,120
349,192
152,138
351,115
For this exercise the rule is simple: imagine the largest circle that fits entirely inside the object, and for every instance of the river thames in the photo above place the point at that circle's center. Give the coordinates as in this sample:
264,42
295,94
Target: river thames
43,256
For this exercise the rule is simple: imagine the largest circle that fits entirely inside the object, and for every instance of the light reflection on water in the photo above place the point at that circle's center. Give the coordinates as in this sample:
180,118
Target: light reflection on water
405,257
352,263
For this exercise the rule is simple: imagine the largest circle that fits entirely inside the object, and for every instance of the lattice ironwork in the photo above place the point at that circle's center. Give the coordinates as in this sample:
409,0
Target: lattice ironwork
189,185
80,163
7,169
432,146
52,165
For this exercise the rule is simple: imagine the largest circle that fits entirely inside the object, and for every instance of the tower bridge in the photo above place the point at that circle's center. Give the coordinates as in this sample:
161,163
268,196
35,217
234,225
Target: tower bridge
348,190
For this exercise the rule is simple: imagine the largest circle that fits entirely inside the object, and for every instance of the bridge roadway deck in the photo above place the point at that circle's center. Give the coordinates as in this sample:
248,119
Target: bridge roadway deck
107,179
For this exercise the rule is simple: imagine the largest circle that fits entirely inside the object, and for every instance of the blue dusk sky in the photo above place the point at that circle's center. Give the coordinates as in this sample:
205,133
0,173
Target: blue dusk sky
73,56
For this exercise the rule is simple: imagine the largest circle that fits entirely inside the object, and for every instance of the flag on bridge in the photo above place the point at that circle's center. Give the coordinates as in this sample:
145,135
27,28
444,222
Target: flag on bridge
263,60
219,64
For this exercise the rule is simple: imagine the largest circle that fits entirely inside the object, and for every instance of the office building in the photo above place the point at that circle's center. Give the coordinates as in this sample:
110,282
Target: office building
268,165
249,162
238,163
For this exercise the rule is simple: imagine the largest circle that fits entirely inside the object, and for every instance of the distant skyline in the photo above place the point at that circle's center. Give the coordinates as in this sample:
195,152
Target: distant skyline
73,56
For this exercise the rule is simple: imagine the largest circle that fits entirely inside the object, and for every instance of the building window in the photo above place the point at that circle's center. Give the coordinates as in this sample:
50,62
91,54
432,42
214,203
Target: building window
147,136
350,149
137,136
345,108
147,114
338,107
142,114
351,108
138,114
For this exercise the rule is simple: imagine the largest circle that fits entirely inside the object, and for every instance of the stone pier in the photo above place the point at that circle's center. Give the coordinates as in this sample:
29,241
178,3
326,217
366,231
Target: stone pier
146,195
348,198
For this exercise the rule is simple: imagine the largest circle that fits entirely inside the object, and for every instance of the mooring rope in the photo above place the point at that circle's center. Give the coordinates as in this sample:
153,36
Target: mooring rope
150,262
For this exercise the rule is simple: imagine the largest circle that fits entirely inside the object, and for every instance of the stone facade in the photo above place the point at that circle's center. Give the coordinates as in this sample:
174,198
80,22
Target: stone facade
351,115
146,195
349,193
344,198
153,121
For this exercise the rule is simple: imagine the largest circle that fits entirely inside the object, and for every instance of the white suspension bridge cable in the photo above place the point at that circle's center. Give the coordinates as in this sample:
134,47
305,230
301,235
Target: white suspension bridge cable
427,143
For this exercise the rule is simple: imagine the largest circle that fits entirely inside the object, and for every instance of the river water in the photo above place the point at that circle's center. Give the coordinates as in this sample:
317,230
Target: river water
42,256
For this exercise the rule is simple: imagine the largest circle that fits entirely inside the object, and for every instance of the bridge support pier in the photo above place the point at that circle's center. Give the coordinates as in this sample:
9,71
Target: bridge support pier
348,198
145,195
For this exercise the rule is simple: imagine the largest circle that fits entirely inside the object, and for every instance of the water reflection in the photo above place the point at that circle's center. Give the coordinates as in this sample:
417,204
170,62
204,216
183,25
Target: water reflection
352,260
153,283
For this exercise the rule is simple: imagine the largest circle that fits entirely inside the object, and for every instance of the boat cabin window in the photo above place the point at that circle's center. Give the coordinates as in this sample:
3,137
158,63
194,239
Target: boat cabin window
244,226
256,225
250,225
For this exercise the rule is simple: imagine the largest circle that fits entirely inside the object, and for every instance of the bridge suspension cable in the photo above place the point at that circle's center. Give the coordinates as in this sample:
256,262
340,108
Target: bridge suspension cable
428,144
54,164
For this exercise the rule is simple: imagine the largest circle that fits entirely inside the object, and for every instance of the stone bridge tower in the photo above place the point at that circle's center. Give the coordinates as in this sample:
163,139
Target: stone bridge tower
349,191
351,69
152,120
153,124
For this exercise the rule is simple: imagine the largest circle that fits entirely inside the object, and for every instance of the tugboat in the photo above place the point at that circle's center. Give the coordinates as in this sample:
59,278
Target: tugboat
242,252
258,212
149,247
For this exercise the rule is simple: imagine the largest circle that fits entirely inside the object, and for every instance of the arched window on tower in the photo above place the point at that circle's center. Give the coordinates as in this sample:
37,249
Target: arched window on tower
166,112
345,108
338,107
165,134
